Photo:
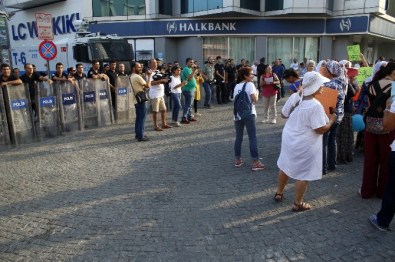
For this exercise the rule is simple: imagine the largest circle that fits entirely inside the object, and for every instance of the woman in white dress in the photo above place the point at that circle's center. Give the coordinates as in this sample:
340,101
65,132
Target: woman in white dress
301,147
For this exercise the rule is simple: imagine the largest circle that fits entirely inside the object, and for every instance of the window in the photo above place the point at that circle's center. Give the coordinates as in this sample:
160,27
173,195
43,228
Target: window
118,7
252,5
274,5
165,7
191,6
229,47
329,4
288,48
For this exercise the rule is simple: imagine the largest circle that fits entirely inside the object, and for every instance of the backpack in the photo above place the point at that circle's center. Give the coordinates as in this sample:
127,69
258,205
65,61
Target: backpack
242,105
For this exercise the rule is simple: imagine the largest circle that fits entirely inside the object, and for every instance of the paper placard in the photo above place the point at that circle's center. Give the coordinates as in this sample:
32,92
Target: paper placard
353,52
363,73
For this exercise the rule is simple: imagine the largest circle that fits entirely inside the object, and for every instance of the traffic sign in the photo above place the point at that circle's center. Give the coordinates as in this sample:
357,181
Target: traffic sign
47,50
44,26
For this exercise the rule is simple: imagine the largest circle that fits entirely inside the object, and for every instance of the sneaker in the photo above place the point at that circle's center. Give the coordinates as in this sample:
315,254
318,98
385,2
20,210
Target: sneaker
239,162
374,222
265,121
176,124
256,166
273,121
184,121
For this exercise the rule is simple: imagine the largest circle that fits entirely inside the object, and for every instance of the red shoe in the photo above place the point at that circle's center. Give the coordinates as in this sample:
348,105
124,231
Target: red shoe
184,121
193,119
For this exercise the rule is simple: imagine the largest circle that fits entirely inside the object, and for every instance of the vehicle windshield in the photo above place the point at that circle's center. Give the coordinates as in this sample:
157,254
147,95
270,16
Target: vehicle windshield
108,50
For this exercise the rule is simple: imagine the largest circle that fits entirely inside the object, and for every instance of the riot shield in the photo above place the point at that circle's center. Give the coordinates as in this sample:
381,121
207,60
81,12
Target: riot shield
48,124
89,107
68,100
124,112
105,112
4,132
19,114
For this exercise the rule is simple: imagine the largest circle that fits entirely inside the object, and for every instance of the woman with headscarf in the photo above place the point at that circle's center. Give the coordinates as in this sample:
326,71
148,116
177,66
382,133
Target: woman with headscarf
335,72
345,134
362,104
377,140
305,125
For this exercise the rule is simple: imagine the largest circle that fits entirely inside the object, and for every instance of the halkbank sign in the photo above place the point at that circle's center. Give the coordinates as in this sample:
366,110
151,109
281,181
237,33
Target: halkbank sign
174,27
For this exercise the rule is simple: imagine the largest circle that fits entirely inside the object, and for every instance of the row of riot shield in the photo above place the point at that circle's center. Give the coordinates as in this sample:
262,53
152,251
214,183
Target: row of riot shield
63,106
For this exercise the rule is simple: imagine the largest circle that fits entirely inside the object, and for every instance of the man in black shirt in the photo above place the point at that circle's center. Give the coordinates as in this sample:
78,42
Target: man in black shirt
95,72
230,77
31,78
220,81
121,70
112,77
260,69
59,75
79,74
6,77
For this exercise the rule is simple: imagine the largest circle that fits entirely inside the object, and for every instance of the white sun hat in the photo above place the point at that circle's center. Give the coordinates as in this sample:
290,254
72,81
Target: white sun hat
312,81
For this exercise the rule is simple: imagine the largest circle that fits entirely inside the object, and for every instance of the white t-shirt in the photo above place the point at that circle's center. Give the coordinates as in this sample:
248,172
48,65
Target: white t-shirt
157,90
294,66
392,110
250,89
175,80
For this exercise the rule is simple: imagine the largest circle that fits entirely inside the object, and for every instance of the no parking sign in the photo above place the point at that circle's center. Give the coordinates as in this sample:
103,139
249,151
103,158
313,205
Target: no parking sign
47,50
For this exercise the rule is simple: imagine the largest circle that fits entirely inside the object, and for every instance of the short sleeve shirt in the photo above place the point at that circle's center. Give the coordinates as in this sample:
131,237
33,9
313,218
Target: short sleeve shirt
191,85
250,89
31,81
221,69
92,73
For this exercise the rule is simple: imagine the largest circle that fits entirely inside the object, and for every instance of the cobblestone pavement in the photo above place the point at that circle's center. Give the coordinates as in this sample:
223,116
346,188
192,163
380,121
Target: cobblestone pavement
99,195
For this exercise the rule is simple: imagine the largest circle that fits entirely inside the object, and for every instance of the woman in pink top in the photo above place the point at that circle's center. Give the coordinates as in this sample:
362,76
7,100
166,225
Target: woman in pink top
269,93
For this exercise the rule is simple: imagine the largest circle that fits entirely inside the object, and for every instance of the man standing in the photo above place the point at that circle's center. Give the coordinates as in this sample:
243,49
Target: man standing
278,69
79,74
31,78
188,91
95,72
112,77
59,75
231,73
121,70
208,75
138,85
260,69
157,96
220,81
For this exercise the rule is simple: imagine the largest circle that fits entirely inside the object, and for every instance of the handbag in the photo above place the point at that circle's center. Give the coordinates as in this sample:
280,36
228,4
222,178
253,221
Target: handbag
374,125
141,97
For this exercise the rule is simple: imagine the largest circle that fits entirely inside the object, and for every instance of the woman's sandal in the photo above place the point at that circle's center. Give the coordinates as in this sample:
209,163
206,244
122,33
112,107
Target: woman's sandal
279,197
301,207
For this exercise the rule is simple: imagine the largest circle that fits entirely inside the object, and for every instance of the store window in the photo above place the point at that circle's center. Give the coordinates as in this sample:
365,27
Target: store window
288,48
274,5
229,47
252,5
191,6
165,7
330,4
118,7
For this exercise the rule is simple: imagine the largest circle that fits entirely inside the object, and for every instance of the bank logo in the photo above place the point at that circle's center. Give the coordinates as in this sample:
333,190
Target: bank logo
345,24
171,27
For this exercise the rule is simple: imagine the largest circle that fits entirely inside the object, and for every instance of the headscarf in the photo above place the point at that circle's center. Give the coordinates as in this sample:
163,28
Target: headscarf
345,62
376,68
336,70
319,64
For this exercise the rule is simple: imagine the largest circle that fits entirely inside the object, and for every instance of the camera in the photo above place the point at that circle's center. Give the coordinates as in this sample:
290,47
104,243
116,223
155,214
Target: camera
160,76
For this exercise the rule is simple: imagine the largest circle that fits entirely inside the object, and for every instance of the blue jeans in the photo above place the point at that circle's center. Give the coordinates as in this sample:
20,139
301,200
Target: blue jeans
249,123
141,112
176,98
387,211
329,148
187,109
207,90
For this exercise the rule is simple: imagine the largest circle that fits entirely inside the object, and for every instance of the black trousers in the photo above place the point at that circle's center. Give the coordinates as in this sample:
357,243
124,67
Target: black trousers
221,93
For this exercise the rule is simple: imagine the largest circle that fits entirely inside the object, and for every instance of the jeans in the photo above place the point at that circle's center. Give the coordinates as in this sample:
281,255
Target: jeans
207,90
141,112
187,109
330,148
249,123
176,98
387,211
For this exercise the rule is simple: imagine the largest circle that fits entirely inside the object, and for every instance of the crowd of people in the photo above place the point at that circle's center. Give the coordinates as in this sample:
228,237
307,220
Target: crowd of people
329,136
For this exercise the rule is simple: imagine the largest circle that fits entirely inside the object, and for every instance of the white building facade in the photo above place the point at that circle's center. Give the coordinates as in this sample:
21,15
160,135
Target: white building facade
177,29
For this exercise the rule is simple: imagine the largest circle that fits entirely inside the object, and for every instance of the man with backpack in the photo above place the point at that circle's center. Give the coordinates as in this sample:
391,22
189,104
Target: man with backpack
246,95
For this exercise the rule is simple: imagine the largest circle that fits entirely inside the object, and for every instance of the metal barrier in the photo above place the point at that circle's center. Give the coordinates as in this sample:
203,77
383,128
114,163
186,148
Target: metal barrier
4,133
124,108
48,114
69,106
19,114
